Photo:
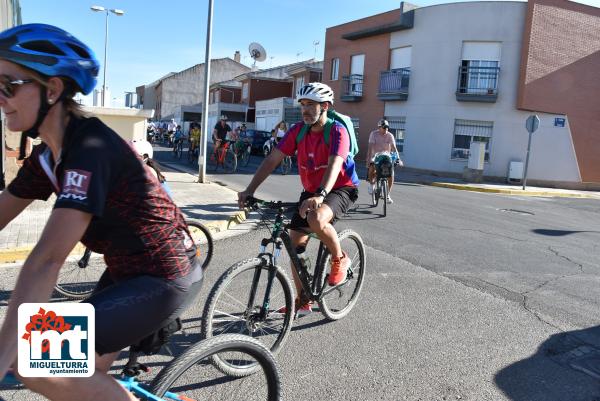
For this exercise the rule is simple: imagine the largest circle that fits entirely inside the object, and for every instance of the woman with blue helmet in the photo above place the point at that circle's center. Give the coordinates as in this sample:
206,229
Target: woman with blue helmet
105,197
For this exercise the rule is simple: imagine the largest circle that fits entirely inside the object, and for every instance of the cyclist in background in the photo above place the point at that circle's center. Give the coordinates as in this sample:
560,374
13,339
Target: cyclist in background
220,132
381,140
328,177
194,137
106,197
280,129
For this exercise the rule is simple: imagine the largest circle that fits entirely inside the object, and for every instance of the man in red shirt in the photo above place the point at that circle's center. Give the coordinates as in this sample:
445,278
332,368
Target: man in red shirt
328,176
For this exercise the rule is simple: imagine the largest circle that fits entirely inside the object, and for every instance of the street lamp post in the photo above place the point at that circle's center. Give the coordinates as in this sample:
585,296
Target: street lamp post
117,12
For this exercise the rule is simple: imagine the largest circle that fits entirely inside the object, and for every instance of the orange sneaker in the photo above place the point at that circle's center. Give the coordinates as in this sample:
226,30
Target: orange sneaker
301,310
339,269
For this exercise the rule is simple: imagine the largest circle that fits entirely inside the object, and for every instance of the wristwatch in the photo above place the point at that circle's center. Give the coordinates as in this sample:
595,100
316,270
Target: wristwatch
321,192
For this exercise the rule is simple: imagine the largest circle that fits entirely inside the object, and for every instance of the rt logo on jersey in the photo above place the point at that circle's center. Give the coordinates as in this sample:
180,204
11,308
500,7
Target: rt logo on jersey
76,185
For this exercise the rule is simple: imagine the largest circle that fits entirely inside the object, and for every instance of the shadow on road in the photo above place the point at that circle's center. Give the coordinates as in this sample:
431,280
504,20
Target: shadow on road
565,367
560,233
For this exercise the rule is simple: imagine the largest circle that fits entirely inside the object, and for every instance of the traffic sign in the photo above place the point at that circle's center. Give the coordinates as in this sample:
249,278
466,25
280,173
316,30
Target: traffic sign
532,123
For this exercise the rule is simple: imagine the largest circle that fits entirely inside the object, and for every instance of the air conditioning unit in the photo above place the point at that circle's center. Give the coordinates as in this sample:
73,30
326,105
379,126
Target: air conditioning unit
515,172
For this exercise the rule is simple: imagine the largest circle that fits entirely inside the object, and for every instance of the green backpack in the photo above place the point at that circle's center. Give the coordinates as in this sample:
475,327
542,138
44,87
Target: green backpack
333,116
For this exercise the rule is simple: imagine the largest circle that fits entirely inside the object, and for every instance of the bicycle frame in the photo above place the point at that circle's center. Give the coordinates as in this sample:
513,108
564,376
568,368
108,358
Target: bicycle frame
130,384
310,283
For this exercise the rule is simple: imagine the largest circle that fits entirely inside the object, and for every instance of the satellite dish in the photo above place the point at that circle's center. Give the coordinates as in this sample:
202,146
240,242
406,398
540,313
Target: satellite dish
257,52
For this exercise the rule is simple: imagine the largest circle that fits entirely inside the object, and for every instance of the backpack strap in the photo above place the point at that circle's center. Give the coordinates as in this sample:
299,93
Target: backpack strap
326,131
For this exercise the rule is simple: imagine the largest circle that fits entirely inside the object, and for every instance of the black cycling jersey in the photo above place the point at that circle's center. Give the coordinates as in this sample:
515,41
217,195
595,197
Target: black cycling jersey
135,224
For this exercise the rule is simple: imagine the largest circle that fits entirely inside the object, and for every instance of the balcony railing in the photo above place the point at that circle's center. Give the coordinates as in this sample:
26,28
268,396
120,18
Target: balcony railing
352,88
393,84
477,84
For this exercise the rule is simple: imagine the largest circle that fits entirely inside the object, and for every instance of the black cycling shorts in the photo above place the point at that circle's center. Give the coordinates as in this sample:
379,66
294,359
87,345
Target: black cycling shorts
338,200
129,310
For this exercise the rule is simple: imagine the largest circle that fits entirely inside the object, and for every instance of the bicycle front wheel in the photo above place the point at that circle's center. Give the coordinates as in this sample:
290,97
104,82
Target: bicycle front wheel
336,302
384,196
204,242
79,275
235,305
191,376
230,162
245,156
286,165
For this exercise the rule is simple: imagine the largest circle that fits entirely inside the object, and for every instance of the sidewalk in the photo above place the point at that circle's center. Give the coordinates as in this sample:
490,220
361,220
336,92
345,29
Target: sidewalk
497,188
211,204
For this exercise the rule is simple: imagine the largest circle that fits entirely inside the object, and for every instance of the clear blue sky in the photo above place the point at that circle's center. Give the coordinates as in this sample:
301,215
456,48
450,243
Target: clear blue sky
157,37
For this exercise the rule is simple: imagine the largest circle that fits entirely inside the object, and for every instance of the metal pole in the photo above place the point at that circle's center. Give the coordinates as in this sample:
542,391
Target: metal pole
204,130
105,46
527,161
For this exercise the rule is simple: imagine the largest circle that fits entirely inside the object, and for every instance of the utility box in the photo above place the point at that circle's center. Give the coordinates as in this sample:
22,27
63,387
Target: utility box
515,171
476,155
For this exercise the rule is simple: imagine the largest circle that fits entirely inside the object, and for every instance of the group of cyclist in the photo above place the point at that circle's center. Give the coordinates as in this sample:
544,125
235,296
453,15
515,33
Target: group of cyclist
108,198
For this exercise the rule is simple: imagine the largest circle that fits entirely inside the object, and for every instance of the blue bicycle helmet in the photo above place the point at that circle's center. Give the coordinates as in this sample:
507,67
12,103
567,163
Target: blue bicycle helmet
50,51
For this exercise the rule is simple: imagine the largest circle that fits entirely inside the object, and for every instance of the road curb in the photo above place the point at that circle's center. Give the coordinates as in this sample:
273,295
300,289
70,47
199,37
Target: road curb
19,254
520,192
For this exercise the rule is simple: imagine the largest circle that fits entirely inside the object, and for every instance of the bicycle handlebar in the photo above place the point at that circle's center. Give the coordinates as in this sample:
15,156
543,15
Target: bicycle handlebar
255,203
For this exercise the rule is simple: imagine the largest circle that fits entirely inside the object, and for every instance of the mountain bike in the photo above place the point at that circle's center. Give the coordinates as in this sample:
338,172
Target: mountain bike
225,157
190,377
193,153
255,296
79,275
384,168
286,165
178,148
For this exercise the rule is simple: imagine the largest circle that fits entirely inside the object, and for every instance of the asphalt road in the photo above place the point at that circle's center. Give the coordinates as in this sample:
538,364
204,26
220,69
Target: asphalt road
468,296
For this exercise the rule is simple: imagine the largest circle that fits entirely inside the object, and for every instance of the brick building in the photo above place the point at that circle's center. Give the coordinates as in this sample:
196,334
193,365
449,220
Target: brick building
450,74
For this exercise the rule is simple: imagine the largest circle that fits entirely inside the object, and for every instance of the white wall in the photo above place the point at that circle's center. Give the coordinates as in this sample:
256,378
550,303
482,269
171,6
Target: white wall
437,42
270,112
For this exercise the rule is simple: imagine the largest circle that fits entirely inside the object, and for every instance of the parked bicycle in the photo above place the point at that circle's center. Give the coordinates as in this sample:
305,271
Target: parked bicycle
189,377
384,168
255,296
78,276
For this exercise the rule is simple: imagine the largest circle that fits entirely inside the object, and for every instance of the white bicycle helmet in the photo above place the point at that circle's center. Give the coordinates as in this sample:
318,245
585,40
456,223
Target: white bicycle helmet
315,91
383,123
143,148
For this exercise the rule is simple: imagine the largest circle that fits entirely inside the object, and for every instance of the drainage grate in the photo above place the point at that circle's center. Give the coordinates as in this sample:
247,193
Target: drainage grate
521,212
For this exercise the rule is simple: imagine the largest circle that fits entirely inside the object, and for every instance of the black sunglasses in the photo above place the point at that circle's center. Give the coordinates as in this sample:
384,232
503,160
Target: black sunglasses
8,86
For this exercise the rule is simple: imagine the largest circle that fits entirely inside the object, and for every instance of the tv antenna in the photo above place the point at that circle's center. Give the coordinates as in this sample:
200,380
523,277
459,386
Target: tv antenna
257,52
316,44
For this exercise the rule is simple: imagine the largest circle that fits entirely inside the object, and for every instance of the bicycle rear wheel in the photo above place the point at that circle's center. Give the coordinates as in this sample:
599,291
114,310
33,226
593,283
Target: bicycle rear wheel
79,275
228,309
192,376
336,302
203,240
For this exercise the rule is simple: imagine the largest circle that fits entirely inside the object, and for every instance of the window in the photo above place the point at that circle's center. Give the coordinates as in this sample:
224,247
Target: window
335,69
397,128
217,96
245,90
466,131
356,124
480,76
480,67
299,83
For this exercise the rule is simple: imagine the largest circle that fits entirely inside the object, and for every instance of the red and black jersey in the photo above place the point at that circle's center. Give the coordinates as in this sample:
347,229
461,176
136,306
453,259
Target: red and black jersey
135,224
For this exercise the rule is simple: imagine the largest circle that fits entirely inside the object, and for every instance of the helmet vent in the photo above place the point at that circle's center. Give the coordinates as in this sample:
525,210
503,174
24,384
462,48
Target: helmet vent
42,46
80,51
